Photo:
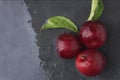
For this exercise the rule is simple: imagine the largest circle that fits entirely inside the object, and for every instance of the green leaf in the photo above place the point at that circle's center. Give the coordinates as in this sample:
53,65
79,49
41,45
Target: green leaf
60,22
96,9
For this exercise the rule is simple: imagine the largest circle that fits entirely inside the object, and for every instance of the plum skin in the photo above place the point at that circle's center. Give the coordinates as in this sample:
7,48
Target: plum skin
68,46
93,34
90,62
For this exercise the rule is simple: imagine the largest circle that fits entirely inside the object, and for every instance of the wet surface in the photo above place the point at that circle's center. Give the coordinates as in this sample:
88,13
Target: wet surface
29,54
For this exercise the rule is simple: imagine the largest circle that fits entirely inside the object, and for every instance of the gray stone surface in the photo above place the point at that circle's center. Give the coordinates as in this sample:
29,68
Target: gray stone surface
18,51
21,42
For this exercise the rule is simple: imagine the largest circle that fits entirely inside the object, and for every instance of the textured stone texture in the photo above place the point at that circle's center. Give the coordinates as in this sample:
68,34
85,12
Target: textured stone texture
20,45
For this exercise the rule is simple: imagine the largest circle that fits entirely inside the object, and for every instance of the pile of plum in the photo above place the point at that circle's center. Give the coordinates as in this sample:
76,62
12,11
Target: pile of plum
89,61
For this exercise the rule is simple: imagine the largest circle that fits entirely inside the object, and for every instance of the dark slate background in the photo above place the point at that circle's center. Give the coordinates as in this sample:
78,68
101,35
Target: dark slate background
26,53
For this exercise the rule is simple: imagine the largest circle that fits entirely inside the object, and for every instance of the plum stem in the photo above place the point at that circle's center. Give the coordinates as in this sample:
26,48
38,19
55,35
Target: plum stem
83,57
